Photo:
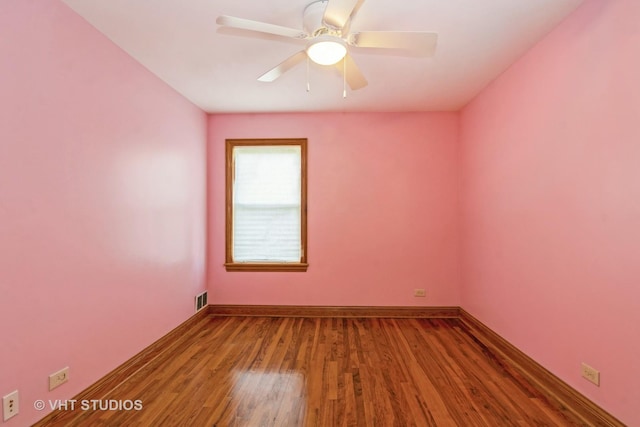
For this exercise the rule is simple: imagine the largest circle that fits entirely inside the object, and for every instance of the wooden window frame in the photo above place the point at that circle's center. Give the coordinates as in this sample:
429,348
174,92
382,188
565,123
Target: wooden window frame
230,264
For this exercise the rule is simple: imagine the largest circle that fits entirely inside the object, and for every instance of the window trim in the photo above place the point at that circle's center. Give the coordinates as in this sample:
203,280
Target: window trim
229,264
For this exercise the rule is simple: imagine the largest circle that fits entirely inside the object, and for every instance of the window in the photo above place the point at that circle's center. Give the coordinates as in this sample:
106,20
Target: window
266,205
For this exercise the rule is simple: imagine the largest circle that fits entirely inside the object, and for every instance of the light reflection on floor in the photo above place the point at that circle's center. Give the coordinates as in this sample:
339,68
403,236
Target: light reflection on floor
263,396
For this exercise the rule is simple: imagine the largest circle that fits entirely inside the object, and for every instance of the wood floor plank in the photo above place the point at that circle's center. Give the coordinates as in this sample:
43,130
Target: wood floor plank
270,371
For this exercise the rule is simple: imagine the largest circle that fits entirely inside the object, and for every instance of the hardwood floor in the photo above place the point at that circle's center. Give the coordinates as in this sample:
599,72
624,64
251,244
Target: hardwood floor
272,371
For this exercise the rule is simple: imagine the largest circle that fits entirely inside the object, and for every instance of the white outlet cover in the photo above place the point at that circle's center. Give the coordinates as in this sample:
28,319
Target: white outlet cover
591,374
10,405
58,378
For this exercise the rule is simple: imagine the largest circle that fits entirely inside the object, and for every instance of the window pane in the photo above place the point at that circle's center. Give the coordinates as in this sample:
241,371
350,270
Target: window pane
267,175
266,204
266,234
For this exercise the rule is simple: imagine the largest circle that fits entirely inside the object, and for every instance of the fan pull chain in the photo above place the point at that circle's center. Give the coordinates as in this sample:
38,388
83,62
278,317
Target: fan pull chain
344,77
308,85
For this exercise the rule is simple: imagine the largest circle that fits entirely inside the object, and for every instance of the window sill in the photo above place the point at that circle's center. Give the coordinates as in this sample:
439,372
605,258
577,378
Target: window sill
247,266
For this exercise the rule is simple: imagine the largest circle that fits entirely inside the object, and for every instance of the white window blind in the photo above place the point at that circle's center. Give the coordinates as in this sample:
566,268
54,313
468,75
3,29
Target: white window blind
266,204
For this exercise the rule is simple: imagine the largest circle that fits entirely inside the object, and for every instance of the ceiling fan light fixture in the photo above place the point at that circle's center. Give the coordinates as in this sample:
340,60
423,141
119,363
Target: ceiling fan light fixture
327,51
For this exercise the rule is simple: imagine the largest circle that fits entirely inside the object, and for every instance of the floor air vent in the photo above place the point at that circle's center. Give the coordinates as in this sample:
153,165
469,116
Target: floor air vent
201,301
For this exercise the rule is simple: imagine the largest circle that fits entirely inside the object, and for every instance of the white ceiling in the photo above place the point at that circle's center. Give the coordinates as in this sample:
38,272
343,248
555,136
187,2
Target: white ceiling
180,42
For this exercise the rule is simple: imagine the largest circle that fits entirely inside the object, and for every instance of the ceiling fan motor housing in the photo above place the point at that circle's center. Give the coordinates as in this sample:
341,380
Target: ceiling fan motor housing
312,20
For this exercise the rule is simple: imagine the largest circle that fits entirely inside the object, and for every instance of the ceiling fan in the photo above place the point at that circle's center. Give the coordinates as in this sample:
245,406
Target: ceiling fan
326,26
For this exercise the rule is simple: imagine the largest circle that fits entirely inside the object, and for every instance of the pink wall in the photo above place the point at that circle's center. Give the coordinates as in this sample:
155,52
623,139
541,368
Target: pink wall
551,203
382,210
102,204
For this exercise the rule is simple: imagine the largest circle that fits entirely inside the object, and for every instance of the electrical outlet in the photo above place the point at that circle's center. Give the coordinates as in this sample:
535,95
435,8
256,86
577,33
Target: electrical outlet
58,378
10,405
419,293
591,374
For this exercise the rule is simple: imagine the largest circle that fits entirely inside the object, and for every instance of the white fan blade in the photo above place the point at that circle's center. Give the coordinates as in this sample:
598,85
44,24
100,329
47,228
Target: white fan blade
417,42
354,12
260,27
283,67
338,12
355,78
